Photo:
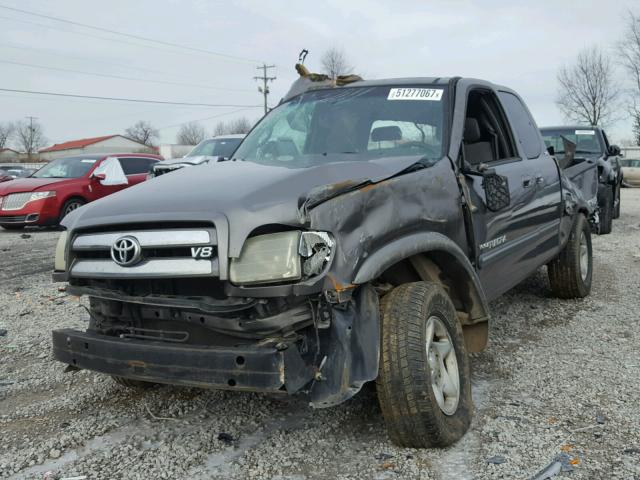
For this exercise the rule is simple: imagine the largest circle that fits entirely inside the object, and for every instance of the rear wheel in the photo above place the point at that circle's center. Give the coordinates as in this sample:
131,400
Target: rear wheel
570,273
423,384
606,210
69,206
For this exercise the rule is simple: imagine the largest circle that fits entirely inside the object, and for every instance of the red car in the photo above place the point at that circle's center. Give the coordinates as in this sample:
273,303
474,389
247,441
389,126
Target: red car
4,176
63,185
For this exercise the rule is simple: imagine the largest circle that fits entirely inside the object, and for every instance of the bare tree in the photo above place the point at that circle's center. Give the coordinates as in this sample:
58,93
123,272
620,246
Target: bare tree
143,132
30,137
635,127
629,49
7,131
587,92
239,125
334,62
191,134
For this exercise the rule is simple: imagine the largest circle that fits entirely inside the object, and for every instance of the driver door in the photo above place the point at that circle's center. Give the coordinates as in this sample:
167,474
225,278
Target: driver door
490,156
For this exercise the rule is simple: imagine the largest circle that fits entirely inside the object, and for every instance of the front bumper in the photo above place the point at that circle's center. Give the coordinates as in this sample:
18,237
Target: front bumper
251,368
39,212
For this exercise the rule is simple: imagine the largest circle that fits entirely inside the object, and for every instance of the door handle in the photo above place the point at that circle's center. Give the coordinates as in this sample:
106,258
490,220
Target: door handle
540,180
527,182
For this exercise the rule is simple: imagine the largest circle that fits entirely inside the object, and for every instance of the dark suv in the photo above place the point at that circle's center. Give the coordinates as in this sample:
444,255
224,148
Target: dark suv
575,143
357,234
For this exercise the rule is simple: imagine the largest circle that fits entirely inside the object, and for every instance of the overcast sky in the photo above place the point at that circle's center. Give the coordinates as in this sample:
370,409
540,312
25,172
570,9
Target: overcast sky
520,44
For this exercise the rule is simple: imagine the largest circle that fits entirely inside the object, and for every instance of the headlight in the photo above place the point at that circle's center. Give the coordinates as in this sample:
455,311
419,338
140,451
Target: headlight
278,257
60,263
40,195
267,258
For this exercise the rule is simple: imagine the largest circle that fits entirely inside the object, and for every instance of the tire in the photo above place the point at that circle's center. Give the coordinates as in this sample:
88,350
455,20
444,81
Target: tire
606,211
133,384
411,411
616,211
571,272
69,206
13,227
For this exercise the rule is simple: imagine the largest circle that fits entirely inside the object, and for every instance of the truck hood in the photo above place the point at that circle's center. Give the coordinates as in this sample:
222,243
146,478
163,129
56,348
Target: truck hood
28,184
236,195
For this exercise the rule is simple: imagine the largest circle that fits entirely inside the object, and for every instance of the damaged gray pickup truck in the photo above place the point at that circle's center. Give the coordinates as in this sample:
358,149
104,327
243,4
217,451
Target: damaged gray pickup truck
357,234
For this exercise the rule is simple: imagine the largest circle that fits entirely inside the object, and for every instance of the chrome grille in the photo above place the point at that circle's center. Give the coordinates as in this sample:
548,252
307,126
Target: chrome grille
15,201
165,254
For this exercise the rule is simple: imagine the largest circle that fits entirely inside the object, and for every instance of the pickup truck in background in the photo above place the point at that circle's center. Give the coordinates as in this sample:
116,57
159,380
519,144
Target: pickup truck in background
357,234
579,143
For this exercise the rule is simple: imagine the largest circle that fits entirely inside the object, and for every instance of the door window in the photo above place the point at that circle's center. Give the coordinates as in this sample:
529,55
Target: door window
487,137
136,165
524,125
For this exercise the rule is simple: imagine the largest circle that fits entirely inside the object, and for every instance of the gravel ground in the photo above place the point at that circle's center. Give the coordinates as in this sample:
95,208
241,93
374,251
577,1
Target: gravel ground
559,378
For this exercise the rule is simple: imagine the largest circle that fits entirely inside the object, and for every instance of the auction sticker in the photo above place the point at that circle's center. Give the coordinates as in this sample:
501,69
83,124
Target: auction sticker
432,94
585,132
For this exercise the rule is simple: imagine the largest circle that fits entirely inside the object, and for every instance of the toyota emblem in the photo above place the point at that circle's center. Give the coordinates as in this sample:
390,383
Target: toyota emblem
126,251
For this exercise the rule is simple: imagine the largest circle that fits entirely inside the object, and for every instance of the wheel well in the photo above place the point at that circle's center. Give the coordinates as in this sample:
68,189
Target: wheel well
446,270
75,197
72,197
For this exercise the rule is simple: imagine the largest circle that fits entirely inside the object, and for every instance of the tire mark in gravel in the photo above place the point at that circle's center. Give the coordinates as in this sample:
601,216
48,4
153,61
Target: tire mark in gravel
218,464
456,461
101,443
97,443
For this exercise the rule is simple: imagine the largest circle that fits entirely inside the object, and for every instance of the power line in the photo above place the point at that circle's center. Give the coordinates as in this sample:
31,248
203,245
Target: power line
85,34
265,80
135,100
129,35
205,118
119,77
83,59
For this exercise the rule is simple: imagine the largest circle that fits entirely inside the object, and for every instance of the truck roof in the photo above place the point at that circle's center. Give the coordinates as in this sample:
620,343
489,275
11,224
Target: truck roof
422,80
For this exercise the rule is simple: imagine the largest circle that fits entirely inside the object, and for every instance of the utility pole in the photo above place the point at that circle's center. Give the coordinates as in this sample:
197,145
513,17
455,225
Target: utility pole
30,150
264,89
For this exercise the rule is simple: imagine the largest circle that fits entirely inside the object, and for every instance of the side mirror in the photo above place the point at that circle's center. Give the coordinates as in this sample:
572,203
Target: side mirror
614,150
496,187
551,150
99,176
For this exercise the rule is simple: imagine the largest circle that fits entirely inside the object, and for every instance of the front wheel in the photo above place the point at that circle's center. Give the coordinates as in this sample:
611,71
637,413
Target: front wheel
570,273
423,384
69,206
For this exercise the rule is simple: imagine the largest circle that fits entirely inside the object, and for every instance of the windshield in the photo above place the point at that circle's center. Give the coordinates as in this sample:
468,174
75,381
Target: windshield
69,167
356,123
629,162
586,140
217,147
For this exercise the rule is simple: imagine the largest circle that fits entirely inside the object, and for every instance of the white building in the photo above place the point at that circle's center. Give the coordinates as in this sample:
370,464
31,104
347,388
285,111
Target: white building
9,155
168,150
107,144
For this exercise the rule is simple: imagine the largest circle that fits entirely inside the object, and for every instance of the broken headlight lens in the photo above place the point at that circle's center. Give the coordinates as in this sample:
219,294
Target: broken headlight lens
60,263
315,248
268,258
279,257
